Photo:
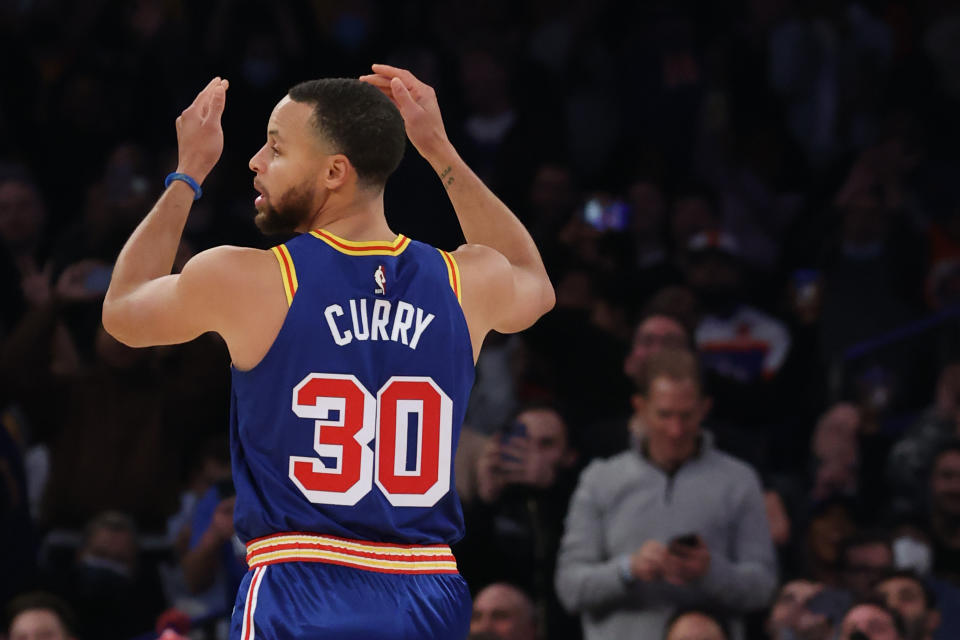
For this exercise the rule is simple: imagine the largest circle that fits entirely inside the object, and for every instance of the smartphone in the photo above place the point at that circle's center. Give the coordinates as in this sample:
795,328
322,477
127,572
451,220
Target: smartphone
98,279
687,540
604,214
511,431
830,603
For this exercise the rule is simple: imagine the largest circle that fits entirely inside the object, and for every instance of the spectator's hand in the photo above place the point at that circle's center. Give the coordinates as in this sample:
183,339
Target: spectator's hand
490,482
80,282
35,285
199,132
647,562
685,564
505,463
778,517
812,626
417,102
222,523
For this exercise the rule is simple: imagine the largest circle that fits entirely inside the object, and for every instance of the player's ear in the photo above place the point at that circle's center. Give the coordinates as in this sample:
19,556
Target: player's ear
337,171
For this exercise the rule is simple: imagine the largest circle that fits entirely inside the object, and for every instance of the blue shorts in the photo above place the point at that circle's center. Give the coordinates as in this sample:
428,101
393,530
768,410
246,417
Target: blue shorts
305,586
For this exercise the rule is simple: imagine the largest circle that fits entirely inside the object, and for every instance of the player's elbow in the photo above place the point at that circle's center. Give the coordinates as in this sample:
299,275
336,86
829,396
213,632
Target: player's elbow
548,297
117,322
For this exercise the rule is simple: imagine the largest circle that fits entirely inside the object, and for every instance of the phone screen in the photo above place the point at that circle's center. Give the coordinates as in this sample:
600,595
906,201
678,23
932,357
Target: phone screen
606,215
511,431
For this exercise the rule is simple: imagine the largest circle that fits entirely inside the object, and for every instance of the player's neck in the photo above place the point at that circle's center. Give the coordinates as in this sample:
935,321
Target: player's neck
359,219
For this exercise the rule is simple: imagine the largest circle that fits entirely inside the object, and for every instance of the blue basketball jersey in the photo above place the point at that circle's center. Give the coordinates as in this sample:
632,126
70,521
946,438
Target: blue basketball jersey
349,424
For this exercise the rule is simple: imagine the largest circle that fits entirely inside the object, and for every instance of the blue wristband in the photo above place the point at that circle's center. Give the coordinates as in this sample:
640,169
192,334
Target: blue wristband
197,191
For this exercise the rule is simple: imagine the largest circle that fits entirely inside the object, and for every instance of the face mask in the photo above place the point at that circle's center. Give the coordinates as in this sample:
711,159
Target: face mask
910,553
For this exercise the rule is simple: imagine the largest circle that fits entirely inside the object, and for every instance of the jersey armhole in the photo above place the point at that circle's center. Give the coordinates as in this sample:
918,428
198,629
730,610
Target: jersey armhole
287,271
453,272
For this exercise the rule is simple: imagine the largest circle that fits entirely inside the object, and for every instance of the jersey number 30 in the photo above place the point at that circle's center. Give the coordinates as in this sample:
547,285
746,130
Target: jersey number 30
347,417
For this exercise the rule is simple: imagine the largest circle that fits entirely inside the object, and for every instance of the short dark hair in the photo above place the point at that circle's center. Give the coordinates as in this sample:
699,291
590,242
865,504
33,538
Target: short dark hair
863,538
359,121
929,597
40,600
706,613
110,520
676,303
880,603
949,446
676,364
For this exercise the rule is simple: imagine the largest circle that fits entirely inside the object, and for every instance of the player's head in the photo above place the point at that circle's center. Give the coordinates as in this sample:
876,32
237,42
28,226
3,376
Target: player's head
671,405
695,624
908,594
872,619
550,450
668,321
39,615
334,135
504,610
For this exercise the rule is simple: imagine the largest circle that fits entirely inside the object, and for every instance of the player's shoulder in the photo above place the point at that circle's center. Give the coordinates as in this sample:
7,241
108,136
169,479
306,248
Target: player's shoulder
483,260
223,264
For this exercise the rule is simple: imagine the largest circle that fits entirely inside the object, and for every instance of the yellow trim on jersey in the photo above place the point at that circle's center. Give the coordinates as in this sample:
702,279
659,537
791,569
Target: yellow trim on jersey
354,553
366,248
288,272
453,273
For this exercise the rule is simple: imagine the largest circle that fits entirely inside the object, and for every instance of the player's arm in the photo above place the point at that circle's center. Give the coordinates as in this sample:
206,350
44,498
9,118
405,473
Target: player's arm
146,305
515,279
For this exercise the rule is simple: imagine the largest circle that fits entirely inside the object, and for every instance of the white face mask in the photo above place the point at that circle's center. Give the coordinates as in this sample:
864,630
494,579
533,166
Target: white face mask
910,553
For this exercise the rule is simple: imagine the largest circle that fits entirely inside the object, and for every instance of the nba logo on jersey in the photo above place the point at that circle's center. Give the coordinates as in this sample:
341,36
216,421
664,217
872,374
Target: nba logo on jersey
380,277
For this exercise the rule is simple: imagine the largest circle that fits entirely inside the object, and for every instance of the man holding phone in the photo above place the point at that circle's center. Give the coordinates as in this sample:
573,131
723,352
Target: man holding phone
670,522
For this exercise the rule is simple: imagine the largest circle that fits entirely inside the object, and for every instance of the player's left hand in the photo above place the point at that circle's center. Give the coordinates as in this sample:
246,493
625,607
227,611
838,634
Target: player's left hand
199,132
417,102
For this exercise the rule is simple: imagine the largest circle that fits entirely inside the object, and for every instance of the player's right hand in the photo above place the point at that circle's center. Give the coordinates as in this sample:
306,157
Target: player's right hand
417,102
647,562
199,132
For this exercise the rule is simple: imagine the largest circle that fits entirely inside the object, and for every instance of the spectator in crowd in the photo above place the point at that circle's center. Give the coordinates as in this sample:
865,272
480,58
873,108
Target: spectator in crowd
667,321
669,522
214,563
864,558
944,514
872,620
694,624
831,521
651,260
906,593
504,612
910,458
741,342
113,598
17,538
790,614
39,616
525,475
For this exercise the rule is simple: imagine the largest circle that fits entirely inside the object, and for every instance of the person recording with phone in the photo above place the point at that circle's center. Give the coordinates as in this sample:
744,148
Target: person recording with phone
524,477
670,522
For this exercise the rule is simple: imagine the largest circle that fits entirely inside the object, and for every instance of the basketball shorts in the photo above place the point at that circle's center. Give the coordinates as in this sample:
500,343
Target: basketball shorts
306,587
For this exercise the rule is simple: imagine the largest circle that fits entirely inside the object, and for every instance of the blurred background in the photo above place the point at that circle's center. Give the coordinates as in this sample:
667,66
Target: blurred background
777,178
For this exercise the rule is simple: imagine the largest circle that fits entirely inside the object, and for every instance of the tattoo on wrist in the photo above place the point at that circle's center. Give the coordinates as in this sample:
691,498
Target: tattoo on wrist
446,177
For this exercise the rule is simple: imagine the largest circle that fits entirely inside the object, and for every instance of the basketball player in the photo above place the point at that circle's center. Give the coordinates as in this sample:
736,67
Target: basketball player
352,353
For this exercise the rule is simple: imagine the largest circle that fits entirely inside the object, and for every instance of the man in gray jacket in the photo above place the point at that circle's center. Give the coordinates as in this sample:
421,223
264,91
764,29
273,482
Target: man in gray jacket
671,522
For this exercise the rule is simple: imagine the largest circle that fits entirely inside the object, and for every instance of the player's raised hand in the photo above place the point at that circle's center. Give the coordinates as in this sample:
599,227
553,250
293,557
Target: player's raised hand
199,132
418,105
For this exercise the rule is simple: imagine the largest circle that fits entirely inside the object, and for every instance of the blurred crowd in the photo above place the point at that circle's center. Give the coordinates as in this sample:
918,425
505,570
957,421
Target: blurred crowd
742,420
